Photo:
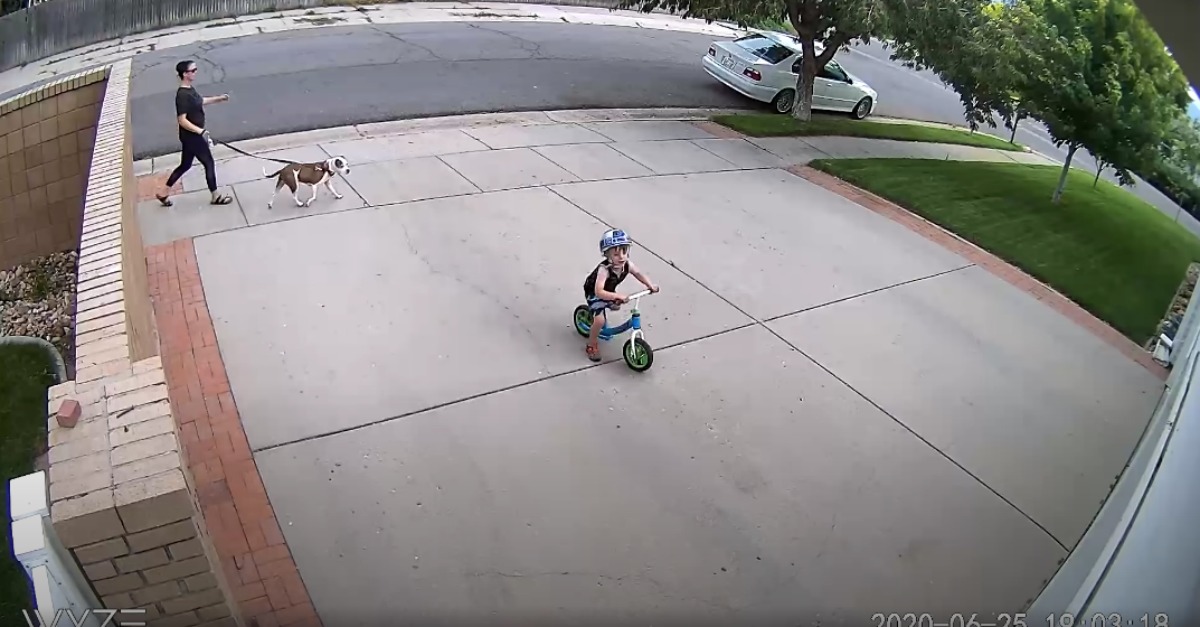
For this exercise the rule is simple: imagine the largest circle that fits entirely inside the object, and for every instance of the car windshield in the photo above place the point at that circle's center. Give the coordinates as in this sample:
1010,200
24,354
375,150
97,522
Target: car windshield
764,48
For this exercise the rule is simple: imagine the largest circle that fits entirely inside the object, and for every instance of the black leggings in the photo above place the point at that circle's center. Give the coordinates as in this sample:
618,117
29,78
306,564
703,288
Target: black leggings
194,147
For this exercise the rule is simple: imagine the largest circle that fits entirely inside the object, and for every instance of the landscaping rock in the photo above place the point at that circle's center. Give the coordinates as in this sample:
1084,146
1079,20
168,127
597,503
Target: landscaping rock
1178,306
37,299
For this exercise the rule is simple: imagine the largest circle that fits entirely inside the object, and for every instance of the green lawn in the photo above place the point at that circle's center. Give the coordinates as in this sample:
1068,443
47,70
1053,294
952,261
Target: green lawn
1104,248
25,374
776,125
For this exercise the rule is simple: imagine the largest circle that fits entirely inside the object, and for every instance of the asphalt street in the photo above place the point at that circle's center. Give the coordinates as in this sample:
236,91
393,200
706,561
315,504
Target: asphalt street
344,75
334,76
304,79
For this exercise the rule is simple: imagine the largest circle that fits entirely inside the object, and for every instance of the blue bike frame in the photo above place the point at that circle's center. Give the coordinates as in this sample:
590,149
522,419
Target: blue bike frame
634,322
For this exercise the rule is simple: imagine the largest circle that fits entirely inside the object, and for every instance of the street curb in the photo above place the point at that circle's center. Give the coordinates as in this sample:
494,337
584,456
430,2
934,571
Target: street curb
368,130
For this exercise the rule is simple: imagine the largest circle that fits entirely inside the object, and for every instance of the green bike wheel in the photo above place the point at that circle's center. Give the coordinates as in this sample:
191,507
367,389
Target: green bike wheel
583,320
638,354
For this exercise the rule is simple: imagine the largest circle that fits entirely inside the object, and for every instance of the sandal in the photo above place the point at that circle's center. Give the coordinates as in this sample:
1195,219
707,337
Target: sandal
222,200
166,202
593,352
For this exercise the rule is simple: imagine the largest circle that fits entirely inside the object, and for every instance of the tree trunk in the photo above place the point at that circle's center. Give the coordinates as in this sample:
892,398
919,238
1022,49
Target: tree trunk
802,110
1062,178
1018,115
1099,169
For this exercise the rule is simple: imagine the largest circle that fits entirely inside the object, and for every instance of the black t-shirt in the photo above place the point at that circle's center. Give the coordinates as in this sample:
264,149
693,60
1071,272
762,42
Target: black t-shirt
611,281
190,103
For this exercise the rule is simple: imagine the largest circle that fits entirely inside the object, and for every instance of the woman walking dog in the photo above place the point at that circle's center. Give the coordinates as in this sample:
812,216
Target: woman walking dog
189,112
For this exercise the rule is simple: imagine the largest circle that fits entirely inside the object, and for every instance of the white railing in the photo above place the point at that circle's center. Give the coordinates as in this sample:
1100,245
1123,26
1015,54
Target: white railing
59,588
1140,557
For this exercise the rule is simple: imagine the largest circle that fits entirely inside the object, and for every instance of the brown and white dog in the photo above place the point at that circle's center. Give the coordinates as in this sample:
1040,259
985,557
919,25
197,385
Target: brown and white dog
312,174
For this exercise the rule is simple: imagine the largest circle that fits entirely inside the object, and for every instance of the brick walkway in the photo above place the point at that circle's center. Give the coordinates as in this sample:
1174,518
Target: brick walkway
986,260
149,184
267,586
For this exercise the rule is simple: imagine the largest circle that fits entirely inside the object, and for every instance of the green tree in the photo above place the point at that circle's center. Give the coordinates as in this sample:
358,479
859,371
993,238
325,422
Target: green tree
987,60
1177,171
1181,146
1093,71
831,25
1153,92
1106,83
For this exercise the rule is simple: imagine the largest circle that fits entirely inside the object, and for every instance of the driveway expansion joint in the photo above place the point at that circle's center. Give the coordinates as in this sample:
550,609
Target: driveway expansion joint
986,260
850,386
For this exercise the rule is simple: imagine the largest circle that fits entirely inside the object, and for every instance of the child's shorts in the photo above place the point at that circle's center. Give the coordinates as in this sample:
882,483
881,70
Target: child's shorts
597,305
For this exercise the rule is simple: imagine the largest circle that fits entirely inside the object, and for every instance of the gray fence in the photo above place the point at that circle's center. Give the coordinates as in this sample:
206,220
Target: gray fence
56,26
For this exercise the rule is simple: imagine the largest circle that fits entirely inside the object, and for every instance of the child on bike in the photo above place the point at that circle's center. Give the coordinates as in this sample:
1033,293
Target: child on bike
599,286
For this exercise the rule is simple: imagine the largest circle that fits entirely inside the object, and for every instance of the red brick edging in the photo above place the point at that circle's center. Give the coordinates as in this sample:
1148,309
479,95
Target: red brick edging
149,184
718,130
266,585
986,260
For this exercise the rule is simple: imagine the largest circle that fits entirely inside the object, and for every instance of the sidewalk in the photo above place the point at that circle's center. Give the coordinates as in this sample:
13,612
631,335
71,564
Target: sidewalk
733,151
554,147
403,357
365,14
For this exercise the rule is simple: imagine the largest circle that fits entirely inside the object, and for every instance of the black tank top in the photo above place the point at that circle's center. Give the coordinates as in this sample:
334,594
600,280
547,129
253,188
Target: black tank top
611,281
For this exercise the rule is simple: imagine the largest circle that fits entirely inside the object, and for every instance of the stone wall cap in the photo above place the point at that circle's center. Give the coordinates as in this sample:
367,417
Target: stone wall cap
49,90
90,503
150,487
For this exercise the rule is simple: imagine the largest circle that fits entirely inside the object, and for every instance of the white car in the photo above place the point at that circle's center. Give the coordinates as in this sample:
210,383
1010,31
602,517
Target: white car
764,65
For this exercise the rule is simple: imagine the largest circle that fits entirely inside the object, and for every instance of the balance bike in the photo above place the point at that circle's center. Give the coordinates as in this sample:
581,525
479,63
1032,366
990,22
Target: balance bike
637,352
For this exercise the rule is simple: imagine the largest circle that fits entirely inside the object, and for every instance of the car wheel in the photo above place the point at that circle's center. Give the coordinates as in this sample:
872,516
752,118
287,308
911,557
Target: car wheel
862,108
784,101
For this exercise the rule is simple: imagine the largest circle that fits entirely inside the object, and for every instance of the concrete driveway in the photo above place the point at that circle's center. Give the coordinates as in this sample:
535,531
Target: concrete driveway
843,418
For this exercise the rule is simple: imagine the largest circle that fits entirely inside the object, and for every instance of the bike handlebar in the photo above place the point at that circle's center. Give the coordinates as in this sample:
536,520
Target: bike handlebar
638,294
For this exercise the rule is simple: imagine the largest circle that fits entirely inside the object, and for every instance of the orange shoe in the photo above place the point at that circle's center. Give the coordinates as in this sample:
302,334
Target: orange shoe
593,351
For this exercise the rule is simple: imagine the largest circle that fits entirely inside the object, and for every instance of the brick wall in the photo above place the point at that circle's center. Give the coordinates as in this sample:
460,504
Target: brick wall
122,503
139,312
46,141
122,498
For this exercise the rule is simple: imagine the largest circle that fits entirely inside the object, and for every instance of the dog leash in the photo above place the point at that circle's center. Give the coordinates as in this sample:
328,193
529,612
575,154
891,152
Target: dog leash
243,152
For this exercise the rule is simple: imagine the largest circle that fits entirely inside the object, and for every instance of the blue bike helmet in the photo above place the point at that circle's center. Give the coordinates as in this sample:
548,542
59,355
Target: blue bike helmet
613,238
